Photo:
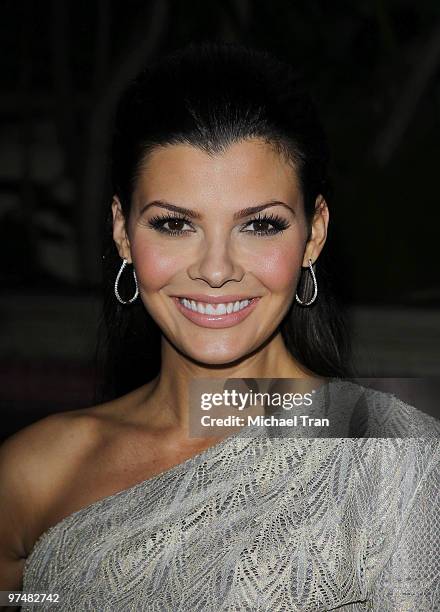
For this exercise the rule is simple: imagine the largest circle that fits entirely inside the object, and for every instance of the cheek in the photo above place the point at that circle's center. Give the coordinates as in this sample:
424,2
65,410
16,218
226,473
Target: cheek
280,268
154,266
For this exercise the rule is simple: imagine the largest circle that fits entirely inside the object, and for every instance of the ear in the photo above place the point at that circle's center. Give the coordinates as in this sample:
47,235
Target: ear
120,235
318,234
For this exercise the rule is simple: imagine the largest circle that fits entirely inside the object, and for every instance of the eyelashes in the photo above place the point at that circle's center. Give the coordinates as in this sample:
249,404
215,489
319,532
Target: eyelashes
278,224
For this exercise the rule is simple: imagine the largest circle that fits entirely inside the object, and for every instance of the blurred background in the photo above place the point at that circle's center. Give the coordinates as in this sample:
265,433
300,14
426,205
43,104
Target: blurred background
373,68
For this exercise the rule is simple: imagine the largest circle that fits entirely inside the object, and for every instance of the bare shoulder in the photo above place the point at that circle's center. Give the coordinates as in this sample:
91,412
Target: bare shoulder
43,476
39,451
32,457
29,449
42,437
33,462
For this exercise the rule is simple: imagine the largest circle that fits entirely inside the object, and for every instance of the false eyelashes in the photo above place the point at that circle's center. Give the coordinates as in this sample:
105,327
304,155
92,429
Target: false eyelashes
278,224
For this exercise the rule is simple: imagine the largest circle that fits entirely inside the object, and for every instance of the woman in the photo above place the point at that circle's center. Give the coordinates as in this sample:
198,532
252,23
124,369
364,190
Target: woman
220,197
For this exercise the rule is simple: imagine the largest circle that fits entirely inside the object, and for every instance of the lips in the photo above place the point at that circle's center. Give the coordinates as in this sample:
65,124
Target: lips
214,320
214,309
215,299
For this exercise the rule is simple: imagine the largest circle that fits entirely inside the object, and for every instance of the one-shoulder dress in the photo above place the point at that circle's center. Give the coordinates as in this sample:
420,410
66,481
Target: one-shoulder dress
268,523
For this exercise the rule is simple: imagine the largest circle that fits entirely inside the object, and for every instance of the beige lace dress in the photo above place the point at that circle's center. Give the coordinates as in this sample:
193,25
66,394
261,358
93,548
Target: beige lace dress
263,522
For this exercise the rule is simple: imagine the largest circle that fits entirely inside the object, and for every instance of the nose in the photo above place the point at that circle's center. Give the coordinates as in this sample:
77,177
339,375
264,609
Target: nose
216,265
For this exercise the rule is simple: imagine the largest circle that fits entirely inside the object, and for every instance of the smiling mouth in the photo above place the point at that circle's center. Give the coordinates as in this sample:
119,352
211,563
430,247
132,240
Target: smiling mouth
220,309
217,316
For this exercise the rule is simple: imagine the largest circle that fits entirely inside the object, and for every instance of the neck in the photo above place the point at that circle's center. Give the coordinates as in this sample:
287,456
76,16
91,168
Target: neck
165,402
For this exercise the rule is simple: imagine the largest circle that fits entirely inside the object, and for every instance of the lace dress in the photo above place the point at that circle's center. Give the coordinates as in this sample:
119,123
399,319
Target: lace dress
264,523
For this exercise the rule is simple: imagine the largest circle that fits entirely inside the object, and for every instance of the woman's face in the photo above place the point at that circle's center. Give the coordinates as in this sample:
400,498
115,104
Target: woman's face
216,248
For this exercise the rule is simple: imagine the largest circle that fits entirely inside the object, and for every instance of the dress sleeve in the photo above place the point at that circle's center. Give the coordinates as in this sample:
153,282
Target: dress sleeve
410,579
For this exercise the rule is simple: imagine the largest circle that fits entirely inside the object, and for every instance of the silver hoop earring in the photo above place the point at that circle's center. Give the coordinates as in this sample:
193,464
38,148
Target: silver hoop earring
124,263
315,292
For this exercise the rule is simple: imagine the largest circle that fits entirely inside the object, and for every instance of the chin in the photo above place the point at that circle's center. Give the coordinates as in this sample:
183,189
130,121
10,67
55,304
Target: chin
215,355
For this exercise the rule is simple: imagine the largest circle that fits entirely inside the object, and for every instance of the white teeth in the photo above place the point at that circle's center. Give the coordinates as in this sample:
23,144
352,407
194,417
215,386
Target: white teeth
214,309
221,309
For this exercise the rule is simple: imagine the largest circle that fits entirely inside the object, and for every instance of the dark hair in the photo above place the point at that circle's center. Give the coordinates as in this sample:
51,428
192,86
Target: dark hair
211,95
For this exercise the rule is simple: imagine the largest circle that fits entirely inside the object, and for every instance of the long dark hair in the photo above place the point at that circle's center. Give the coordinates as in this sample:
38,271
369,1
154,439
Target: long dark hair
211,95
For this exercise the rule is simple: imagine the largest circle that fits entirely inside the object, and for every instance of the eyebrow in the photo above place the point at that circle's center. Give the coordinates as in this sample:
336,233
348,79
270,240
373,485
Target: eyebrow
195,214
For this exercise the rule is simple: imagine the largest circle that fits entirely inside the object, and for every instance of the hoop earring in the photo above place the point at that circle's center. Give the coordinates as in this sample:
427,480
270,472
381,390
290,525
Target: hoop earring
315,292
124,263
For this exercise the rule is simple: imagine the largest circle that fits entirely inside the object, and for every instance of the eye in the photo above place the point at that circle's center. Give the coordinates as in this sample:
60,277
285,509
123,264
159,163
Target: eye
175,224
278,225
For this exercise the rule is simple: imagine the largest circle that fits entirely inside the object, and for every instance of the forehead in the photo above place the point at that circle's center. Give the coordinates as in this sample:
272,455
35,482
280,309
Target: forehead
246,170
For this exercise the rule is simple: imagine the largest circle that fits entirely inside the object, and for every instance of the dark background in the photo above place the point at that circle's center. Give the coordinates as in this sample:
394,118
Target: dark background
373,68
